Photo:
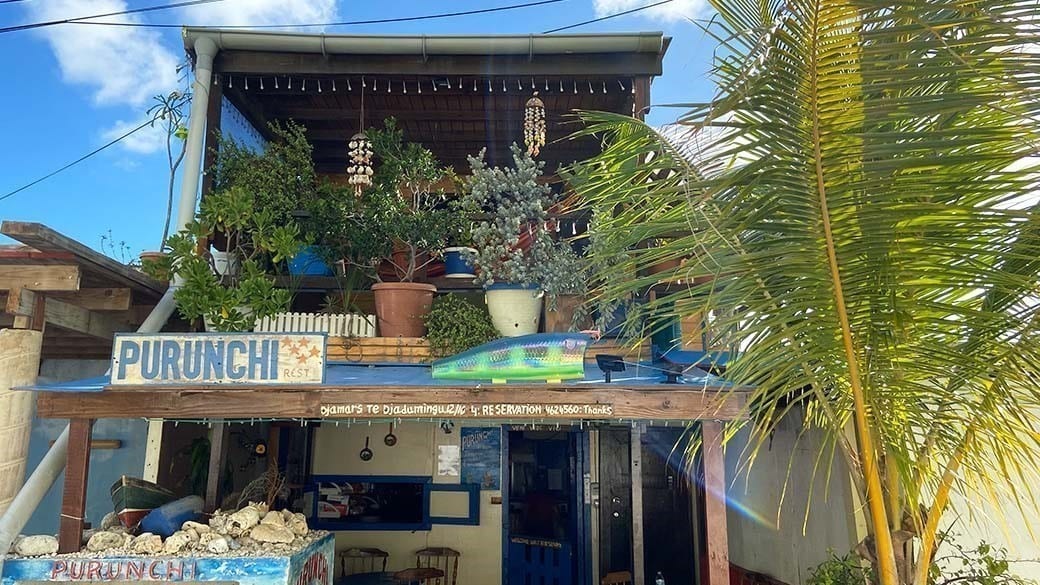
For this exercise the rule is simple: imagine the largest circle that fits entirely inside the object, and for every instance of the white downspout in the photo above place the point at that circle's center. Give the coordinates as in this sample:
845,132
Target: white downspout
53,463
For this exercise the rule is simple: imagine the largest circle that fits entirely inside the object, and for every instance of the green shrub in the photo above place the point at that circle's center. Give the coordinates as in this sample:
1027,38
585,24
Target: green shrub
455,325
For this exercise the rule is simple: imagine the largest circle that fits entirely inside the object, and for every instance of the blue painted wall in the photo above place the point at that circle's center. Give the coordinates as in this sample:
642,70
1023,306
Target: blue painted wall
106,465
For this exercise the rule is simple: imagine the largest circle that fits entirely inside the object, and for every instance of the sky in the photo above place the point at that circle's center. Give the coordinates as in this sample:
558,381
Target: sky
73,87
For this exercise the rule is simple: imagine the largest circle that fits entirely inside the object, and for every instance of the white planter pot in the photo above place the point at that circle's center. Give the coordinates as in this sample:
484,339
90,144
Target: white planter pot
514,311
225,263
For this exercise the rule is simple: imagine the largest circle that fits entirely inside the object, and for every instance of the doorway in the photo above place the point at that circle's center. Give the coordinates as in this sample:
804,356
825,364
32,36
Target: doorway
546,513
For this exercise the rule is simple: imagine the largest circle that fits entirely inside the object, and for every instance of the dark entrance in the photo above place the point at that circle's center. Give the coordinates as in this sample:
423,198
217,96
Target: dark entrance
668,511
545,520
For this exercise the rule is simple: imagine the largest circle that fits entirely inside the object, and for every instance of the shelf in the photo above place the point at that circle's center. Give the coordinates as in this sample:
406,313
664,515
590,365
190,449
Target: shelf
332,284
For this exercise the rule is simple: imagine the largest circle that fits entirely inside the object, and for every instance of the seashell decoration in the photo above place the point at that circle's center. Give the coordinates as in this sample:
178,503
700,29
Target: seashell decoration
359,168
534,125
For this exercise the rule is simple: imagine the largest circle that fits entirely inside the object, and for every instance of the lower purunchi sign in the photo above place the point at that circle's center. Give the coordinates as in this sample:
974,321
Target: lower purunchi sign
461,410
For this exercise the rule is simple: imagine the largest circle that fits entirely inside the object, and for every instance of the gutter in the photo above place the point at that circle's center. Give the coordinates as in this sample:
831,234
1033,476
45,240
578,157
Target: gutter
422,45
53,463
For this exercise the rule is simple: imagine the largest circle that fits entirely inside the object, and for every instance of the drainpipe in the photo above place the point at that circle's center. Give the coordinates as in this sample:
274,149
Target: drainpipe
53,463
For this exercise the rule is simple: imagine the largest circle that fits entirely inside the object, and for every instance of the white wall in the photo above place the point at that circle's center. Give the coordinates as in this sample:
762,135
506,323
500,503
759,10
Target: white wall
761,541
336,452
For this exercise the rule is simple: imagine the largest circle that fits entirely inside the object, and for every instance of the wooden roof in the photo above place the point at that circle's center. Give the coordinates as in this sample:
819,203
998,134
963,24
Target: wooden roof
454,105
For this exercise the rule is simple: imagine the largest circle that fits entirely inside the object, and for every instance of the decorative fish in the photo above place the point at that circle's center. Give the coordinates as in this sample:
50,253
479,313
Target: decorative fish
543,356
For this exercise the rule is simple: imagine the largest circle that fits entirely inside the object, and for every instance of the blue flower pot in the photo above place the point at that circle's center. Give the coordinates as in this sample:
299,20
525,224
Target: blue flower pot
309,263
455,266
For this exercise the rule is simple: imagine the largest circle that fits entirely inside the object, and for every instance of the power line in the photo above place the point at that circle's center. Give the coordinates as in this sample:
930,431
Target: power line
344,23
75,162
607,17
80,19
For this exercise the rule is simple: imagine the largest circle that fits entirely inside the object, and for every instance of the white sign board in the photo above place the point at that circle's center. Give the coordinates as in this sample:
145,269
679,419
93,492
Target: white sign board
218,358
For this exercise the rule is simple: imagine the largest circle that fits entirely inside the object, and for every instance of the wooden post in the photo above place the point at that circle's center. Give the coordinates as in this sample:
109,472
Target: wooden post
636,448
640,97
217,435
209,156
74,496
716,535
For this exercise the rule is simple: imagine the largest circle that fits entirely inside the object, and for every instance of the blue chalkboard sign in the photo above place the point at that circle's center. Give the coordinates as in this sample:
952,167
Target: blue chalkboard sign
482,457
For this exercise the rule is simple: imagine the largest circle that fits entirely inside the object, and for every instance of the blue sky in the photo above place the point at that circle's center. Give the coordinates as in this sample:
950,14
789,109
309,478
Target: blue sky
71,88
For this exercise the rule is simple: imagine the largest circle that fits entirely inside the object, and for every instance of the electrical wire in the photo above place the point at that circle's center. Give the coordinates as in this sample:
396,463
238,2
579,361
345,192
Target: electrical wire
80,19
329,24
75,162
607,17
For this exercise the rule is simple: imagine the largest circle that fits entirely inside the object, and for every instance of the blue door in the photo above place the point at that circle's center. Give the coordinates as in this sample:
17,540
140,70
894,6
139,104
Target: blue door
546,513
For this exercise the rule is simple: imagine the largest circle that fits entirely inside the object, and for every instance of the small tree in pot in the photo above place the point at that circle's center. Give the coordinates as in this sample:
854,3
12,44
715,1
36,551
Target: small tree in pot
512,247
565,281
232,301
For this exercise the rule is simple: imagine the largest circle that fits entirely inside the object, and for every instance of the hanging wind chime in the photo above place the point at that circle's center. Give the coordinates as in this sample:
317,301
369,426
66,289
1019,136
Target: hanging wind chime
359,169
534,125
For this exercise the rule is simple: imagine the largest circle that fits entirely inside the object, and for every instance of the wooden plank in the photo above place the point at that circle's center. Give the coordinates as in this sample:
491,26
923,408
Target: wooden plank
716,533
45,239
40,278
217,437
638,558
80,320
97,299
74,496
657,403
20,302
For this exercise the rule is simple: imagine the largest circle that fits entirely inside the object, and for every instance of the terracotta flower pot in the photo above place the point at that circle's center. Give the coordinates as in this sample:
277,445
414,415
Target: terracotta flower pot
401,307
663,266
560,319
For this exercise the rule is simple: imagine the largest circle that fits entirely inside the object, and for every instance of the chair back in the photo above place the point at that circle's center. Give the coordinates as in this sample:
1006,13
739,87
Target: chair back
443,558
362,560
617,578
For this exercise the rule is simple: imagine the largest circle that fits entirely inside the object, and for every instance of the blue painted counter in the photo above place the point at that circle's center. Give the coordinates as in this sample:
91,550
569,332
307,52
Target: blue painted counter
312,565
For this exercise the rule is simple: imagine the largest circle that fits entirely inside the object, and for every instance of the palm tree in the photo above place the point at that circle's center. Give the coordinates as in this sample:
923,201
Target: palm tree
859,223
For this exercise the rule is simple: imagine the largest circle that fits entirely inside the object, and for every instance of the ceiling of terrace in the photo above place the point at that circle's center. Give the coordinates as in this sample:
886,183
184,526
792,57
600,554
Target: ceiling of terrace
452,116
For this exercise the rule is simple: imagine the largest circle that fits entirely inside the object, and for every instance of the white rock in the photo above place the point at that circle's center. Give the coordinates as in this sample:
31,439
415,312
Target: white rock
147,543
273,518
192,534
298,524
240,522
246,542
260,507
287,513
14,543
34,546
218,545
198,527
109,521
272,533
218,522
103,541
176,542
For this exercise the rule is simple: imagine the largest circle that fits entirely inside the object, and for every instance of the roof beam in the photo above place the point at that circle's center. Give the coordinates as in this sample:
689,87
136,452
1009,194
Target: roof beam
50,277
97,299
80,320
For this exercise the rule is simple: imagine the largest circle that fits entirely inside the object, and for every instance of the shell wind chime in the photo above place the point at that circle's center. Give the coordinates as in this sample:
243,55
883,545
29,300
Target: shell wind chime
359,168
534,125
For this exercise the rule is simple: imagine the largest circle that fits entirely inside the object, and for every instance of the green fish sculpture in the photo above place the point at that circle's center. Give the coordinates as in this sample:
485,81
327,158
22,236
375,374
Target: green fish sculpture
551,357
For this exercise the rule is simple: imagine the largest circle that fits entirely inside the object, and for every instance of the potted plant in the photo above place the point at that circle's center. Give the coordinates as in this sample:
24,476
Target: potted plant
455,325
514,206
460,241
231,302
395,227
564,281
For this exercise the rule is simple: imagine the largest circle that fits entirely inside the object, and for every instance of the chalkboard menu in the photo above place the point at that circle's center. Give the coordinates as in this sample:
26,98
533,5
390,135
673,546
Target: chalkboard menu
482,457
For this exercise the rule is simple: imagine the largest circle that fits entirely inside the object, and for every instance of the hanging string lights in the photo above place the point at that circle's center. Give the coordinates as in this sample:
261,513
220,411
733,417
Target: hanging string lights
534,125
388,85
359,167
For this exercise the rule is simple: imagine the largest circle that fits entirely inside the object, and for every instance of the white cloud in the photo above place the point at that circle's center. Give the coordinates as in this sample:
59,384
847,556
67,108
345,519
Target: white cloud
145,141
122,65
674,10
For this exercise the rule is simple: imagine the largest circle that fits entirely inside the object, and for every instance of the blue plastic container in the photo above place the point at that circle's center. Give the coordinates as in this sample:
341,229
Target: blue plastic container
454,265
309,263
168,518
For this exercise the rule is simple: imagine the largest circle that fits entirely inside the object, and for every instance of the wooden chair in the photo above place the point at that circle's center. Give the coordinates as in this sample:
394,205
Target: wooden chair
421,575
617,578
443,558
362,560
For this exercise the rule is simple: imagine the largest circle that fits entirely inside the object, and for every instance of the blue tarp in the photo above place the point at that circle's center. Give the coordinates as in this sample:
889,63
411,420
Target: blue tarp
344,375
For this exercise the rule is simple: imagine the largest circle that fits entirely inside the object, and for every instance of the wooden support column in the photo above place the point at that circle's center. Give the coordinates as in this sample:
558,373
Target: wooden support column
209,157
636,448
640,97
74,496
716,535
217,437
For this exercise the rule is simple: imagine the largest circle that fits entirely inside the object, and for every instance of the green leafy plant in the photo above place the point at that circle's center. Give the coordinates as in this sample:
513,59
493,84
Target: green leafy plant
159,267
255,240
455,325
281,179
843,570
511,242
400,221
861,212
